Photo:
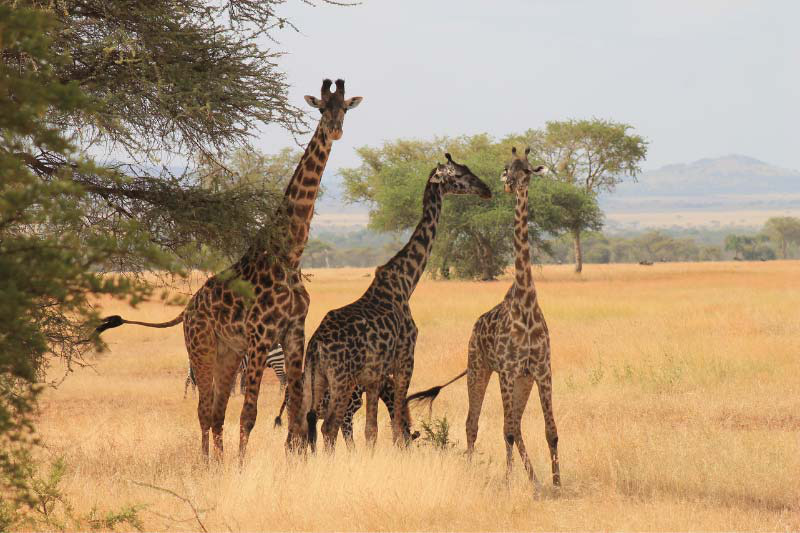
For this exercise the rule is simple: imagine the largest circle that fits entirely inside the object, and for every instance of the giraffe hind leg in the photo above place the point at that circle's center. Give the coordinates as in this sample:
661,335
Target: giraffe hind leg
224,378
347,422
202,351
477,380
341,392
371,423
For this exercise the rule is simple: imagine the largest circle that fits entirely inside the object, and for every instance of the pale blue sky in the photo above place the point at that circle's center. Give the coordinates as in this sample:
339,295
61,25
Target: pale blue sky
700,78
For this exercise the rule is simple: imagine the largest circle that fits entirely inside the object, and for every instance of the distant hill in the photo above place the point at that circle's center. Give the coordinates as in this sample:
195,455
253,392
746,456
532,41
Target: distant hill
731,174
733,190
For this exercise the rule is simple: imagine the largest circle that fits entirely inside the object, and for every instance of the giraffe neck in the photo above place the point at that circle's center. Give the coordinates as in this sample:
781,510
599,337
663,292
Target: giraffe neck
301,193
409,263
523,278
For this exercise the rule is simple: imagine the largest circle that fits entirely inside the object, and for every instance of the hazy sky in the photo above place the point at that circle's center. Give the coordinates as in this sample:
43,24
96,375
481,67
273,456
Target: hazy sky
700,78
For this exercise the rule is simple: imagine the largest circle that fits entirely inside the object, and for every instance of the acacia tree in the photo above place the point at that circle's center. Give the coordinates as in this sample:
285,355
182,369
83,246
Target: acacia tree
145,92
594,154
784,231
47,277
169,87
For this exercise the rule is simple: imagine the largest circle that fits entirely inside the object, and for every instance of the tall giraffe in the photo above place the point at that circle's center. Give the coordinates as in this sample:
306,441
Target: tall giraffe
372,340
220,327
512,339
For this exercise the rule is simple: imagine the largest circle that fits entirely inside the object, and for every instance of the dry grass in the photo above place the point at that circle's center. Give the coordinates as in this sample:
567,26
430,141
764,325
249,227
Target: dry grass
676,394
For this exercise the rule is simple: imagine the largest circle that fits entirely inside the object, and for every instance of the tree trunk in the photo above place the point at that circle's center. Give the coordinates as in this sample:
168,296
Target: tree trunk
783,248
578,252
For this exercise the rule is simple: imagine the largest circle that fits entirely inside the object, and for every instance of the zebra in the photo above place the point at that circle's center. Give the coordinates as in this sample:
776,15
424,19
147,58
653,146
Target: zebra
275,360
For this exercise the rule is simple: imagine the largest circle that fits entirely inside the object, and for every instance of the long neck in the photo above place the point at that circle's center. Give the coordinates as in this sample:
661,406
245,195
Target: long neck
410,261
301,193
523,278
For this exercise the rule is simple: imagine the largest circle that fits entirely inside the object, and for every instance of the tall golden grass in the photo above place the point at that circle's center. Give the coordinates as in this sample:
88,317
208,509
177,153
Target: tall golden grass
676,392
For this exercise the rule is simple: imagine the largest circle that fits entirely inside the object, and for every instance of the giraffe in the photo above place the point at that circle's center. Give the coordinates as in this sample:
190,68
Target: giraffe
221,327
512,339
372,340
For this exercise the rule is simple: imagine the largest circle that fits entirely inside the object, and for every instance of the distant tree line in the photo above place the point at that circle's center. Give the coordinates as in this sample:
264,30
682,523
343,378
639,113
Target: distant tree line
474,237
778,239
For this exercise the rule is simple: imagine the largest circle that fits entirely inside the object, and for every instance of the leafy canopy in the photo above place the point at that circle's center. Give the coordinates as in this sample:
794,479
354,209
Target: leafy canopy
475,237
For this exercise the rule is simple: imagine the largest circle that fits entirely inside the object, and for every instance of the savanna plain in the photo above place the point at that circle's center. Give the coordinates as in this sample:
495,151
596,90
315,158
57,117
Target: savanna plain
676,394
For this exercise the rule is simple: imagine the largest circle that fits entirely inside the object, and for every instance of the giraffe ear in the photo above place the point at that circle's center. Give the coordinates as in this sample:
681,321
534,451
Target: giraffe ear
353,102
313,101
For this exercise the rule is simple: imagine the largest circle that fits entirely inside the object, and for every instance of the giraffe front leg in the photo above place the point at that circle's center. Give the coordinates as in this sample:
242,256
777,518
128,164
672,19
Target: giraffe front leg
293,350
522,391
509,429
545,397
258,346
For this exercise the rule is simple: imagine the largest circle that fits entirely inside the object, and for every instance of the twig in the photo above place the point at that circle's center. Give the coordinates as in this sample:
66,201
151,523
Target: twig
184,499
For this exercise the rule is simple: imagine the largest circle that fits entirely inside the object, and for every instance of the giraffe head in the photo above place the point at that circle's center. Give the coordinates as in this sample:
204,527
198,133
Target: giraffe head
458,179
332,106
517,174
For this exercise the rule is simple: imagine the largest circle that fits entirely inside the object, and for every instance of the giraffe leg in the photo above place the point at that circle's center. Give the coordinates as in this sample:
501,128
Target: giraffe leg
522,391
509,429
371,425
293,347
341,392
545,397
347,421
477,379
258,346
202,353
402,422
224,377
386,395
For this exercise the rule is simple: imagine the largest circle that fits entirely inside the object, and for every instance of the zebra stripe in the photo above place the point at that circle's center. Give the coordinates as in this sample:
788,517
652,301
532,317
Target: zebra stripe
275,360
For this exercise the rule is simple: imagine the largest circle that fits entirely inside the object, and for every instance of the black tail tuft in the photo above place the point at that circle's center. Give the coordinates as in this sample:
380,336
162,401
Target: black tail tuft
113,321
427,395
278,421
311,418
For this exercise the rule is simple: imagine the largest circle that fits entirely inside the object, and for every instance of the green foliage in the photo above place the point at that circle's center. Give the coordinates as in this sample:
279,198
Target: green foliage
436,433
170,86
47,276
749,248
475,238
784,232
259,180
595,155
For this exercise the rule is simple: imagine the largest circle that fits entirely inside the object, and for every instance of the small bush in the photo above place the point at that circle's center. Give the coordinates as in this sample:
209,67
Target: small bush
436,433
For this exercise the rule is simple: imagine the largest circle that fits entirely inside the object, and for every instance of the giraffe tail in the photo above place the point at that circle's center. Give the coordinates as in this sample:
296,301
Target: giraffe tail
278,420
114,321
429,395
311,417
